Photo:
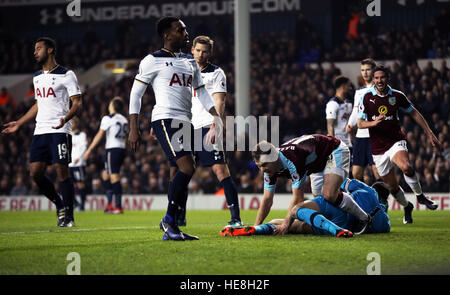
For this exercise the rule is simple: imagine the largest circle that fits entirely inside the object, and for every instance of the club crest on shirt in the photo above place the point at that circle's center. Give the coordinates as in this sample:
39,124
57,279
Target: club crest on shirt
392,101
295,177
266,178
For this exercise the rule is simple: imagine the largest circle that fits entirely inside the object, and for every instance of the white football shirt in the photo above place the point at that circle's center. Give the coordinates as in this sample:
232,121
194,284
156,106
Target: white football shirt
79,146
172,76
340,111
52,90
215,82
116,128
361,133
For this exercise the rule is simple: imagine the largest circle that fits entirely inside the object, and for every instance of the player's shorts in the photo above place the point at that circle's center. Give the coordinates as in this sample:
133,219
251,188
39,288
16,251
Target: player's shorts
332,213
362,152
338,163
78,173
368,201
204,157
51,148
174,141
113,160
384,162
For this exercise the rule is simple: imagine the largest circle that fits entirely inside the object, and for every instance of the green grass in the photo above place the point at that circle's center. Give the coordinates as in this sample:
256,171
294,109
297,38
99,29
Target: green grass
30,243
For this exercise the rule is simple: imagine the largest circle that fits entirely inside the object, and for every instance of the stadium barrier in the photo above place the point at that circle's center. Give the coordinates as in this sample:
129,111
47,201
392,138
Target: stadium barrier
195,202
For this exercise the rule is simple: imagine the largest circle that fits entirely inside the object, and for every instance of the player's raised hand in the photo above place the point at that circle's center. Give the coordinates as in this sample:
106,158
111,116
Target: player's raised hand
11,127
62,121
134,139
435,142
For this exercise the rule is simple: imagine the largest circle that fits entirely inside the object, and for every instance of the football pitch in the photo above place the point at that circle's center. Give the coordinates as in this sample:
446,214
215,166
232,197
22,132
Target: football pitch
131,244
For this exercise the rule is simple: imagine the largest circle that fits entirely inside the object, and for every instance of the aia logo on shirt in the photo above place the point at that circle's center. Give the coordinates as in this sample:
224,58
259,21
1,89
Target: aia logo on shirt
45,92
181,80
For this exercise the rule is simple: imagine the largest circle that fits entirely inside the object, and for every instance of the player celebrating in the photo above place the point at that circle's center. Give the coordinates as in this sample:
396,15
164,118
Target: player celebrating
215,83
55,86
378,111
172,75
319,217
116,128
78,164
298,158
362,152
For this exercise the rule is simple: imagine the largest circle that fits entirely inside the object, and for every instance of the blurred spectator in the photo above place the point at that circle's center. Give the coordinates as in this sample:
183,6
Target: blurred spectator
19,188
5,188
245,185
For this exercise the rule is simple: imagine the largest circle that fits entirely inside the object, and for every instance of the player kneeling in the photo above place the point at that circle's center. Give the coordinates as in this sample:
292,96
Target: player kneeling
319,217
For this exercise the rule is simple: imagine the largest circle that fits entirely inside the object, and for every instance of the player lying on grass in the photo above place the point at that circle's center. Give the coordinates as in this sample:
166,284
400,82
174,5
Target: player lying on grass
319,217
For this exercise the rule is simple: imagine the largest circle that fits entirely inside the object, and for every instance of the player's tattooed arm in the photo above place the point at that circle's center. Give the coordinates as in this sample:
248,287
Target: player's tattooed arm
13,126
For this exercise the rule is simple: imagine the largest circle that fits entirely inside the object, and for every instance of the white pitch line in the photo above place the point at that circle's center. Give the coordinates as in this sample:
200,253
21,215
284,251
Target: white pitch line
76,230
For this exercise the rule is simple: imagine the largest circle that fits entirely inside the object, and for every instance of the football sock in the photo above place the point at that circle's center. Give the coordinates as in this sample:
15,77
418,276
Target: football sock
48,189
67,193
264,229
414,184
82,197
349,205
117,191
315,219
182,208
400,197
108,191
231,195
179,186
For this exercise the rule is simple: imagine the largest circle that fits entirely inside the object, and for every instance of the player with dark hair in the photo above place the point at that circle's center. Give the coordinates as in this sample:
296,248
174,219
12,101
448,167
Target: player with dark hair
115,127
172,75
362,152
215,83
378,110
298,158
319,217
55,87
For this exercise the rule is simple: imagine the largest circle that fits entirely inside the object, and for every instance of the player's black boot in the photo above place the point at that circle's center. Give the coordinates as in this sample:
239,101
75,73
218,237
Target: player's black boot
363,226
171,231
407,218
427,202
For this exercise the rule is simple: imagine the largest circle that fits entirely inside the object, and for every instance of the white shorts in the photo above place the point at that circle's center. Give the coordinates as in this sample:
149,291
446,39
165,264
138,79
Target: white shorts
384,162
338,163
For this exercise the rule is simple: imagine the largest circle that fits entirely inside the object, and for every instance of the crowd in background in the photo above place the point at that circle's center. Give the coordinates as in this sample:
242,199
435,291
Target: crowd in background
282,84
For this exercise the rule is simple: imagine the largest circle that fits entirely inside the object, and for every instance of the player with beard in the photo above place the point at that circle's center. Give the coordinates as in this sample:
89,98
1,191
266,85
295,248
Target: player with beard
378,110
55,87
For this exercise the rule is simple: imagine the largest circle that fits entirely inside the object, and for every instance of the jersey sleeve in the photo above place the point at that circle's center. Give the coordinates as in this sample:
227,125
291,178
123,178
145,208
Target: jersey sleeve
354,115
219,82
71,84
105,123
296,184
270,183
405,104
84,143
361,109
331,110
147,70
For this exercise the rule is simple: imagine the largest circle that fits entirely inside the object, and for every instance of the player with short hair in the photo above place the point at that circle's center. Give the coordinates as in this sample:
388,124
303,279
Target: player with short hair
78,164
298,158
55,87
115,127
172,75
319,217
378,111
216,85
362,152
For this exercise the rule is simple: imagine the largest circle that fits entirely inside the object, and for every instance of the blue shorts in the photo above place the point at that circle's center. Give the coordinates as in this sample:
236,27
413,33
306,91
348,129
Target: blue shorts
174,144
332,213
368,201
362,152
208,158
77,173
51,148
113,160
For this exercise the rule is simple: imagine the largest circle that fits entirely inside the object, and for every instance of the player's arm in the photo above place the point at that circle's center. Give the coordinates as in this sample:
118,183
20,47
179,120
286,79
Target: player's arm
331,115
76,106
362,122
98,137
219,98
264,208
13,126
297,197
353,120
417,116
330,126
137,91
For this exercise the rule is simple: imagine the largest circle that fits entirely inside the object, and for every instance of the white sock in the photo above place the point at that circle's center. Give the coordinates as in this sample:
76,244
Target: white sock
349,205
414,183
400,197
